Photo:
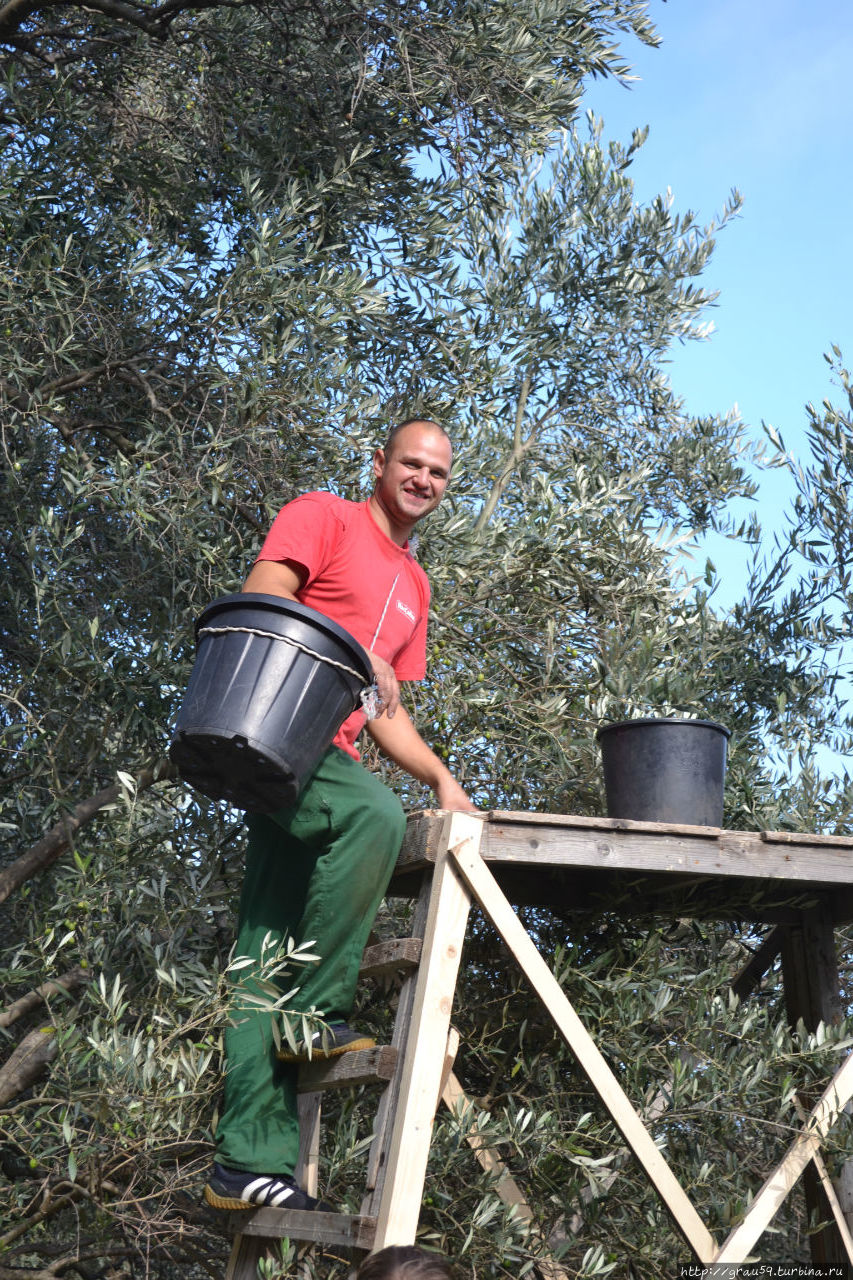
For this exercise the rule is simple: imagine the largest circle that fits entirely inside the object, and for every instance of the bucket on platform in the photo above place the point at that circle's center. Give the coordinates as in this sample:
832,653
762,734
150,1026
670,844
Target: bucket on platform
272,683
665,770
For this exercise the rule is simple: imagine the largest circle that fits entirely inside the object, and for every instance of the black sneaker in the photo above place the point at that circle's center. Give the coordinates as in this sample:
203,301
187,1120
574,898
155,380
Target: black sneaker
236,1189
331,1042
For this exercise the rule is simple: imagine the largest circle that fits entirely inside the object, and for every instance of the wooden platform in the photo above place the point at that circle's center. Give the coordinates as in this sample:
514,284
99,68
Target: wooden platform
580,864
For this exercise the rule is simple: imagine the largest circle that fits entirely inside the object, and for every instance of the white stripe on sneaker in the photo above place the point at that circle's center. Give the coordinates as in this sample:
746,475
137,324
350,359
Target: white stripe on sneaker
267,1191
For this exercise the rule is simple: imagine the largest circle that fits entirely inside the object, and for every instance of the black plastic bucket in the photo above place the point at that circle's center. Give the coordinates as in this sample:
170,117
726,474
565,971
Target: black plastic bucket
272,683
665,770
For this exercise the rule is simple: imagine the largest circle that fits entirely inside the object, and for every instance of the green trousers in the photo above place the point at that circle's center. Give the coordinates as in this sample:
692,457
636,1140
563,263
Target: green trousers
314,872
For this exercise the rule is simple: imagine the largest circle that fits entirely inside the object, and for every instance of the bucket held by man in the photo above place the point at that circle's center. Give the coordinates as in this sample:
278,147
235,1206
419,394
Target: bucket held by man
272,683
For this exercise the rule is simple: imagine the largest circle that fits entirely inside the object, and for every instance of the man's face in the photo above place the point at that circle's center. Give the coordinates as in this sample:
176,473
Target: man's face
412,477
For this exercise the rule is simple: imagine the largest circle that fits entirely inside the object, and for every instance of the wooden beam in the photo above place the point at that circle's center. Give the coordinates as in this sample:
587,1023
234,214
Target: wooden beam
488,894
377,1160
803,1149
812,994
749,977
408,1148
307,1171
246,1253
348,1229
364,1066
810,970
398,955
844,1236
450,1053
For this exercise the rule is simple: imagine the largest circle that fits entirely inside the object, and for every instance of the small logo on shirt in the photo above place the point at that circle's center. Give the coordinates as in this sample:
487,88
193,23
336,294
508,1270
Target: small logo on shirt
404,608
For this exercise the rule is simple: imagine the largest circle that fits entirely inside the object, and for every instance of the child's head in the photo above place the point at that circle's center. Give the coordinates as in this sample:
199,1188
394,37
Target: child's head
404,1262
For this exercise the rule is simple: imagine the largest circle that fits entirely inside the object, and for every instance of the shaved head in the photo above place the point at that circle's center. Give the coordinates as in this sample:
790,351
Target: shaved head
429,423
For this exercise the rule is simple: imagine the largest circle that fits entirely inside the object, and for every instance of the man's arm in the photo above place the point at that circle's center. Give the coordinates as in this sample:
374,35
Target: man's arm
400,740
276,578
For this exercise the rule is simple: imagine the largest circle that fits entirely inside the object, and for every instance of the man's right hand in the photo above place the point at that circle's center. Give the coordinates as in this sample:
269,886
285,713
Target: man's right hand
386,683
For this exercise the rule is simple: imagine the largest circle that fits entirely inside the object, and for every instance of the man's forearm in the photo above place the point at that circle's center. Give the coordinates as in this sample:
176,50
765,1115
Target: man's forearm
400,740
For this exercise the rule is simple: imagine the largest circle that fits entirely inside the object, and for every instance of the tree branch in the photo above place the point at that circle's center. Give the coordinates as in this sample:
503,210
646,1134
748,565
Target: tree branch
50,1205
26,1063
519,448
33,999
52,845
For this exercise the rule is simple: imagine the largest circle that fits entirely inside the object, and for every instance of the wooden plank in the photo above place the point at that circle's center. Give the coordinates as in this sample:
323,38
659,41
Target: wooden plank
798,838
740,854
812,993
307,1171
364,1066
561,840
398,955
408,1149
845,1239
423,841
485,889
447,1066
246,1253
810,971
377,1160
302,1224
749,977
455,1098
776,1187
844,1236
425,822
584,821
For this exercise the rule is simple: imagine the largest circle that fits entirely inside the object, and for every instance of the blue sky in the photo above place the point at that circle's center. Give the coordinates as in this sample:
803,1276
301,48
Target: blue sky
753,94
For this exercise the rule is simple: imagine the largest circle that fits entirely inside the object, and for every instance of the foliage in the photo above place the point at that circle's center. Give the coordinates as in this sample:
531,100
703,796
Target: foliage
238,240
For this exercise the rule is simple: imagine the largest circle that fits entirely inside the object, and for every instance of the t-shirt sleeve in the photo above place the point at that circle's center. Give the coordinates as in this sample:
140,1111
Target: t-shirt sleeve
305,531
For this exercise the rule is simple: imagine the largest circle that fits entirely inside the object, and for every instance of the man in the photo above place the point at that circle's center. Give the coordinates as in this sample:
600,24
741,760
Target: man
317,871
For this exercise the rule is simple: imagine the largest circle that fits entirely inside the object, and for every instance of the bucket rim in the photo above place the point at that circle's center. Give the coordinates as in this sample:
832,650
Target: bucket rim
290,608
646,720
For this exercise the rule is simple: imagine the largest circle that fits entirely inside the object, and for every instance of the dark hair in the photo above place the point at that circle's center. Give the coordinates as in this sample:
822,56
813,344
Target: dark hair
410,422
404,1261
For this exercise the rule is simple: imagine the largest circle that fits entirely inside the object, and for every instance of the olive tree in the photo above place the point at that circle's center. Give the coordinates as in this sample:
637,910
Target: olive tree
238,242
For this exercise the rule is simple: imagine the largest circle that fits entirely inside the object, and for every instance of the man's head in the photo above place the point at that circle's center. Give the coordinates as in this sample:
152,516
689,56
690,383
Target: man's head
412,422
411,470
404,1262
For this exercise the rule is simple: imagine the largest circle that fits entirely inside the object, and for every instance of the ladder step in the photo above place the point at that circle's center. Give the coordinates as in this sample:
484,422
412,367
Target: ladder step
302,1224
364,1066
395,956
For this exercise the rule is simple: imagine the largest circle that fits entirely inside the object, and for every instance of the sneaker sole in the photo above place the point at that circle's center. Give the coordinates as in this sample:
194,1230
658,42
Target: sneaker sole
323,1055
226,1202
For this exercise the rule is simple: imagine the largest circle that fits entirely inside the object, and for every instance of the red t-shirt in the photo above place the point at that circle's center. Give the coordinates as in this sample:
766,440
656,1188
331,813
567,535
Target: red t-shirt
352,566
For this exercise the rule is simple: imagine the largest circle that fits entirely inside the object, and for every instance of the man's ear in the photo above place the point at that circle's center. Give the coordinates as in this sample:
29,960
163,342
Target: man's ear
378,463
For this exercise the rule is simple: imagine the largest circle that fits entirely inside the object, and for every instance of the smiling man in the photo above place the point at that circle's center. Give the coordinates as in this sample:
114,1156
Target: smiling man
317,871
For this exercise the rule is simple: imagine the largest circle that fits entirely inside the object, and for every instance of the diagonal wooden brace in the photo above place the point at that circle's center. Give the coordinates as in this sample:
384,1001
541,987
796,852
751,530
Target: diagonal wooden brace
803,1149
487,892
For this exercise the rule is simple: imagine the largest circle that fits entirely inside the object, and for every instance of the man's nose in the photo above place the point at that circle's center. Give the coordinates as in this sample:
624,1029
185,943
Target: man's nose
422,477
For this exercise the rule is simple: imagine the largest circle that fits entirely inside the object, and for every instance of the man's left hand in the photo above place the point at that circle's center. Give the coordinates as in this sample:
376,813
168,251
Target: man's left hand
451,796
